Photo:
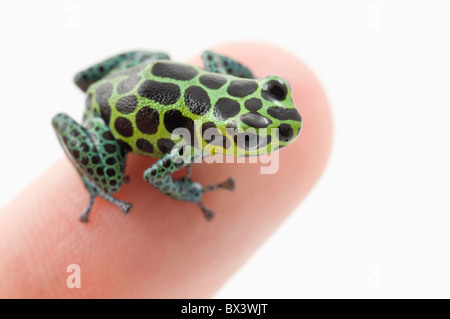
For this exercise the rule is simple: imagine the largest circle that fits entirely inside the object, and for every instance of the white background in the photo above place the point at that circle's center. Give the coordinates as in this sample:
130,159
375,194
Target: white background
377,224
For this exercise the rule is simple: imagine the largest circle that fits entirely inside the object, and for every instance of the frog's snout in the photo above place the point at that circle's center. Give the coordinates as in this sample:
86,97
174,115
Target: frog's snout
298,123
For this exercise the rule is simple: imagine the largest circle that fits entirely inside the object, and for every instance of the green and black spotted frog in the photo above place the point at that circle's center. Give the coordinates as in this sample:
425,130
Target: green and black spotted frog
141,102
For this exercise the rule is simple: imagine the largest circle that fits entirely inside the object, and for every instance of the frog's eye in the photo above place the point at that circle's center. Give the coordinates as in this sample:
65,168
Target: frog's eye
274,90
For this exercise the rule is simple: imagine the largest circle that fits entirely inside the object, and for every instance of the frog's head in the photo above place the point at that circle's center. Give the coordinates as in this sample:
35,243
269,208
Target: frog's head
270,120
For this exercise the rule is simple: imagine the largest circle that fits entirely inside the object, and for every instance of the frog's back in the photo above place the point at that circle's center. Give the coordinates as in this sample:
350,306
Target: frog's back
142,105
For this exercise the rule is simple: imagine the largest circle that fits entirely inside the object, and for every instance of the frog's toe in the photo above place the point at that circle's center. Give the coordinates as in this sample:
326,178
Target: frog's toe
84,217
207,213
125,207
229,184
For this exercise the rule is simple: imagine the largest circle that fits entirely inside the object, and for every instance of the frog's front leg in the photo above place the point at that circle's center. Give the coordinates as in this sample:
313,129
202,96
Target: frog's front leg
96,155
160,176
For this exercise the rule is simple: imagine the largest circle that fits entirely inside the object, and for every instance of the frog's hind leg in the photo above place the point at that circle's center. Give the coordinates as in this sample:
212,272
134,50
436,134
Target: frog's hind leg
217,63
96,155
118,62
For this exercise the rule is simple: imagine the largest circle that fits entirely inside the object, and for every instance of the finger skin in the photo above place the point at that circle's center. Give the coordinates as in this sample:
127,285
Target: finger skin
163,248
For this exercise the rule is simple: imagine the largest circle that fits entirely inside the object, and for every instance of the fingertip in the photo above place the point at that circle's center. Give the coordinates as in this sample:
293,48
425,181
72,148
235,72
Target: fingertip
165,248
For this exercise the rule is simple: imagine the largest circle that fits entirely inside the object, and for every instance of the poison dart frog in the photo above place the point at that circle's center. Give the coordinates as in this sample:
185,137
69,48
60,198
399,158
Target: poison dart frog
137,101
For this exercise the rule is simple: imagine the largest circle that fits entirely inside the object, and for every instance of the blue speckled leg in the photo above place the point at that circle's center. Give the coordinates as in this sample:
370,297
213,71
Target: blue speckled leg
217,63
96,155
160,176
118,62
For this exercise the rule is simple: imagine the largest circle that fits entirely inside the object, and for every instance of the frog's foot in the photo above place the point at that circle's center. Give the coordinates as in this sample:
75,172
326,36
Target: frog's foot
217,63
118,62
207,213
95,191
160,176
96,155
228,184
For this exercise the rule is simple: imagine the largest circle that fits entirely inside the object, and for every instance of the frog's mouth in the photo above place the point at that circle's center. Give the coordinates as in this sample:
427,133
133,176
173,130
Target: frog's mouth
250,141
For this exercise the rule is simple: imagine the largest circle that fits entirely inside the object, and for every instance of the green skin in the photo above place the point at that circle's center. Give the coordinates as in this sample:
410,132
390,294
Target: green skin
141,102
